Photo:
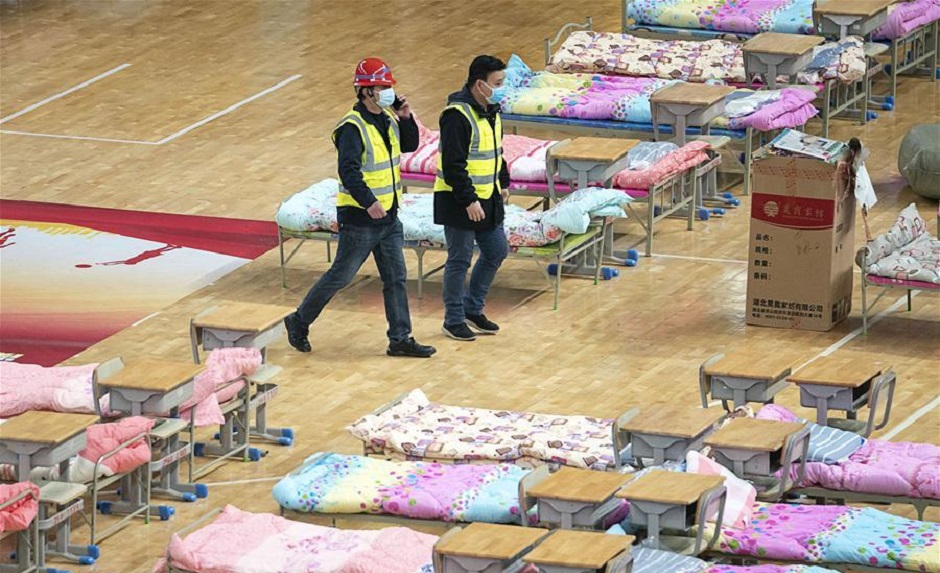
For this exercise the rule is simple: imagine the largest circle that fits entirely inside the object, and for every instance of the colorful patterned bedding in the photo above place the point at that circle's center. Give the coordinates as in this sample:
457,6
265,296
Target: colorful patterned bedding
907,252
240,542
755,16
18,515
646,560
422,430
526,159
833,534
336,484
742,16
693,61
314,209
878,467
626,99
905,17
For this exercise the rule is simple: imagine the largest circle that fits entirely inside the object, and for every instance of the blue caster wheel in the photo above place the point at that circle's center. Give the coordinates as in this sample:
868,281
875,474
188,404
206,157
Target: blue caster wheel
607,273
633,255
887,106
52,570
657,211
703,214
871,115
202,490
13,556
285,441
94,551
890,99
199,449
189,497
287,433
727,195
552,269
718,212
936,73
254,454
888,69
104,507
217,435
165,512
733,202
629,263
741,158
86,560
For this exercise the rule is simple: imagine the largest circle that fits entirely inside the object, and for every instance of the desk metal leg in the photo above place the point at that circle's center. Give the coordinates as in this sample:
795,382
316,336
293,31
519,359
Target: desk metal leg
822,410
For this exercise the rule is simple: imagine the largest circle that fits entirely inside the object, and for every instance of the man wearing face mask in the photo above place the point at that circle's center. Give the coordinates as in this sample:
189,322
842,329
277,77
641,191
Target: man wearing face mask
469,191
369,139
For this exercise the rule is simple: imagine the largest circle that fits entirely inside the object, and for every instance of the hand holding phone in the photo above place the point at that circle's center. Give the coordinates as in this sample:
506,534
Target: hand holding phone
401,107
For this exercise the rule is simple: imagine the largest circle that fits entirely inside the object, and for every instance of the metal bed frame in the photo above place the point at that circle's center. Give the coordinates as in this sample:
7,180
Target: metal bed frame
915,53
587,245
835,99
908,286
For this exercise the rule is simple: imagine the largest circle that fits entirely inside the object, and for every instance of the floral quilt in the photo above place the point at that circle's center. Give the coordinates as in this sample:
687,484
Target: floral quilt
424,430
906,252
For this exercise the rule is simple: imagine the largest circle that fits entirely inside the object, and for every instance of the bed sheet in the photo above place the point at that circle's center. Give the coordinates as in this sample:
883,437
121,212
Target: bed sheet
241,542
419,428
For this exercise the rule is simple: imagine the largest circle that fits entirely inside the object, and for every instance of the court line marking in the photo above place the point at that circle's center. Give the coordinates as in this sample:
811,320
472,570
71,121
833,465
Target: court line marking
854,334
173,136
78,137
229,109
60,95
911,419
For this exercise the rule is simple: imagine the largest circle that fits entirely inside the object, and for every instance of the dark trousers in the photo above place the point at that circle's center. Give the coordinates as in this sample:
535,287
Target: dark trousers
355,243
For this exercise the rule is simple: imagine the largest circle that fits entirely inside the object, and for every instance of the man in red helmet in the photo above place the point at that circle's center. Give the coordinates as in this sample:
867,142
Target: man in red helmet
369,139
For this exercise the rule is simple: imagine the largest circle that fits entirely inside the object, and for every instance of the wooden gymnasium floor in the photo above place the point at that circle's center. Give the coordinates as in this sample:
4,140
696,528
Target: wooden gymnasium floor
631,341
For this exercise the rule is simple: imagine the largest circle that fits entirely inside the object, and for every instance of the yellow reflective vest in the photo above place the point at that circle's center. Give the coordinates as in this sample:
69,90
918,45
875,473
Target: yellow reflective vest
379,170
485,157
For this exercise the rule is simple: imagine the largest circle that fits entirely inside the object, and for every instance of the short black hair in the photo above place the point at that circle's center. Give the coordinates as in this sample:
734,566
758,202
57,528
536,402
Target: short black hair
483,66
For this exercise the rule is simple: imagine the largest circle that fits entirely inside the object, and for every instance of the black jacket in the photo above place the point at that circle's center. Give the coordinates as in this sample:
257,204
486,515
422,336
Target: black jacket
350,147
450,208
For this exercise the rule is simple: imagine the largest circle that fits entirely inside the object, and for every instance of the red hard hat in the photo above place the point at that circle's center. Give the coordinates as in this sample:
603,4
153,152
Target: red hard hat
372,72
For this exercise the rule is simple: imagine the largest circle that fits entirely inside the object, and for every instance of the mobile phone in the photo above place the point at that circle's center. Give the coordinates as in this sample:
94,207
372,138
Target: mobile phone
396,105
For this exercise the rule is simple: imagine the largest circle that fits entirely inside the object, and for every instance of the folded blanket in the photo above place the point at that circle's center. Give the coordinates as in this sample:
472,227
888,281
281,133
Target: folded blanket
17,516
907,251
687,156
904,17
104,438
25,387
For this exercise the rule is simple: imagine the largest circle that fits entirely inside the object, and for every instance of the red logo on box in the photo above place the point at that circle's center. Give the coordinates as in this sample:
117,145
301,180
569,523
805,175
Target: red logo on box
793,212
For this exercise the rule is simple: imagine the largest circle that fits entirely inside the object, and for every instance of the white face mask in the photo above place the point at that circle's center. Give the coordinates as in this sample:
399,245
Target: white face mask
386,98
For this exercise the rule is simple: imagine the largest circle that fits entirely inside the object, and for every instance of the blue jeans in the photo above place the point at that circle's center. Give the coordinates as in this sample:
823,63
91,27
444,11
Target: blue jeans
355,243
494,248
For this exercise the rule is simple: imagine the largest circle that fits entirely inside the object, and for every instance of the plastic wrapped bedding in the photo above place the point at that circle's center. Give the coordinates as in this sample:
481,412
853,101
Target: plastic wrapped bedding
314,210
919,159
645,154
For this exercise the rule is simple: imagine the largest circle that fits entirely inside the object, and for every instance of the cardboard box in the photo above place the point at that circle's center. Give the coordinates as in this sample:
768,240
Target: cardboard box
802,238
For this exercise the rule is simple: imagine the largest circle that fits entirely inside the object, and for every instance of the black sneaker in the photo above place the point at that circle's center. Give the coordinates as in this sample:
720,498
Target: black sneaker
459,332
297,333
481,324
410,348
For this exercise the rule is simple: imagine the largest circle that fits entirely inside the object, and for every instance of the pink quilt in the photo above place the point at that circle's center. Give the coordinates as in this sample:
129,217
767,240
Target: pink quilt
879,467
25,387
17,516
242,542
213,386
526,159
795,107
103,438
904,17
687,156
